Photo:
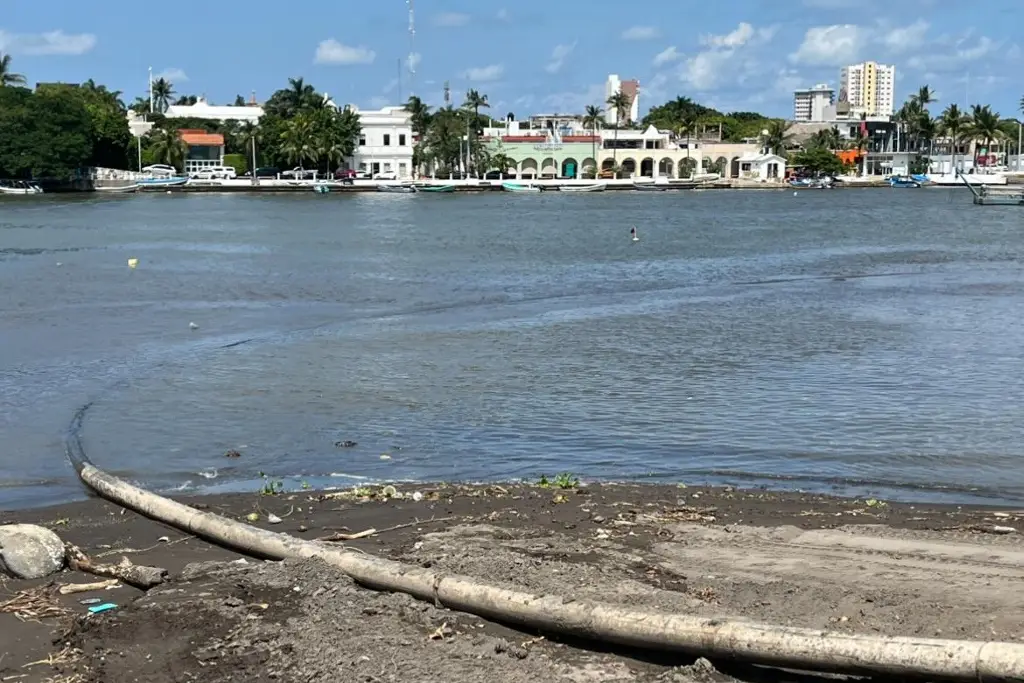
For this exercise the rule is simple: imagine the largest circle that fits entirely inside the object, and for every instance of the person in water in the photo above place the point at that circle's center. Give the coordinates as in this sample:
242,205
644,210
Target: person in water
632,234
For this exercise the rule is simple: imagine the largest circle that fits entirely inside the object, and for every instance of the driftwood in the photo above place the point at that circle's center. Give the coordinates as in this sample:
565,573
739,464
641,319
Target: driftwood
71,588
136,575
724,638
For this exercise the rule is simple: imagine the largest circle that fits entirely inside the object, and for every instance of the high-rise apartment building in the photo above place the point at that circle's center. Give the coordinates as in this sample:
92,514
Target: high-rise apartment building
630,89
812,104
869,88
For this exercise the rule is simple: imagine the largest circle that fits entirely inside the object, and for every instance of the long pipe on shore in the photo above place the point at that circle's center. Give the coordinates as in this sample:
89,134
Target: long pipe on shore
716,638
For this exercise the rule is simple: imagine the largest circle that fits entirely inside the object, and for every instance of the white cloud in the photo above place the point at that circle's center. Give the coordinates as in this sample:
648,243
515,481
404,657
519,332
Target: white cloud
484,74
503,14
451,19
905,38
174,75
640,33
558,57
668,55
834,45
741,35
378,102
955,57
332,52
705,70
48,43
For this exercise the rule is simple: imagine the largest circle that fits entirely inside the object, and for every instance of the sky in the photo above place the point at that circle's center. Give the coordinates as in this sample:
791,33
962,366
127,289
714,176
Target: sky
527,56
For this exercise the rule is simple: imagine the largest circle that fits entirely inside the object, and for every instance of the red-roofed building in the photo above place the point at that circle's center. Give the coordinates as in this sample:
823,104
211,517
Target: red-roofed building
205,150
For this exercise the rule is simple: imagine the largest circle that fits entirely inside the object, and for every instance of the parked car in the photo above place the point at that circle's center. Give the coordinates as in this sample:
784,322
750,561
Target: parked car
160,170
263,172
215,172
299,174
344,174
386,175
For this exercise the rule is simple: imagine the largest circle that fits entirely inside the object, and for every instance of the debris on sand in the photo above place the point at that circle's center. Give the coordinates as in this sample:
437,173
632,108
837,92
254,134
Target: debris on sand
29,551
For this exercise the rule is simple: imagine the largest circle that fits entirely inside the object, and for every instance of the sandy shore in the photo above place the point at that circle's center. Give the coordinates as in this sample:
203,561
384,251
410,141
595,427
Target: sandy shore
861,566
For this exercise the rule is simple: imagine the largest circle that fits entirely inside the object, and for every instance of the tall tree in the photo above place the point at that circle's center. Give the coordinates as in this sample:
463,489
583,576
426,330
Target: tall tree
619,103
592,120
298,140
419,113
239,101
984,126
776,136
953,123
8,77
167,147
474,102
163,91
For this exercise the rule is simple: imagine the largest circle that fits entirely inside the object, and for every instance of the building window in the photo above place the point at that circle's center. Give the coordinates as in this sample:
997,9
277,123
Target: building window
401,139
362,167
362,141
387,140
387,167
401,171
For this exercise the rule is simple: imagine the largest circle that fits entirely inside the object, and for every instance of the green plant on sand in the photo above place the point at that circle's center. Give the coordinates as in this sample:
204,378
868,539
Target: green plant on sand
563,480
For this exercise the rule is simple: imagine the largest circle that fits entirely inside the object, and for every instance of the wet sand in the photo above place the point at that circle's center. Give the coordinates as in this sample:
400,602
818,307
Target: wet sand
863,566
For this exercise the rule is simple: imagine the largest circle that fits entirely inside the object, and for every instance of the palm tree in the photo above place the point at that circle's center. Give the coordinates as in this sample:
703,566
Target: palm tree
167,147
620,104
186,100
687,126
474,101
924,96
8,77
140,105
775,137
419,114
953,123
592,120
297,141
163,90
984,125
502,162
300,94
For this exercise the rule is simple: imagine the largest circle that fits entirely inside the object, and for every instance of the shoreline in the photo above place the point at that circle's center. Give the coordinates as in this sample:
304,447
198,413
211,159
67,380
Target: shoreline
816,561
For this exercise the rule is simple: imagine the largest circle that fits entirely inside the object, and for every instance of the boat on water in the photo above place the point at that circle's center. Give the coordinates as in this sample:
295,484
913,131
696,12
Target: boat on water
650,187
435,188
19,187
396,189
903,181
321,188
170,181
596,187
116,189
515,187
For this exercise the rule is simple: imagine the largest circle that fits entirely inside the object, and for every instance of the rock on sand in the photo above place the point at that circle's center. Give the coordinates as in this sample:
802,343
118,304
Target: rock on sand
28,551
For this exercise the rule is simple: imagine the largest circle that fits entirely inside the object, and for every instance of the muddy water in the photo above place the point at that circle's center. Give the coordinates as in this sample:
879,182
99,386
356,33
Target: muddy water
857,341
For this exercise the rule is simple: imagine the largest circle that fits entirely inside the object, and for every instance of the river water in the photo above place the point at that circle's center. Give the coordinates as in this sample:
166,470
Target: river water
863,342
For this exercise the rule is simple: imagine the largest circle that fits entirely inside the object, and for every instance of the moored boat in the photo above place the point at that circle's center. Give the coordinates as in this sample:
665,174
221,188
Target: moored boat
435,188
903,181
117,189
596,187
396,189
650,187
19,187
170,181
515,187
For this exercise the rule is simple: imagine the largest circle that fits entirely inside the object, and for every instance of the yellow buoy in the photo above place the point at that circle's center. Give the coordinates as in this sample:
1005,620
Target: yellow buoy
132,262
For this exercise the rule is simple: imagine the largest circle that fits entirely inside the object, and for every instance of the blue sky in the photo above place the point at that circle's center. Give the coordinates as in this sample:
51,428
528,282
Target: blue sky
528,56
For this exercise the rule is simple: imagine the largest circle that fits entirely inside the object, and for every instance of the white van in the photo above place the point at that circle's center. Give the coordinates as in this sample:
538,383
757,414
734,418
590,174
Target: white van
215,172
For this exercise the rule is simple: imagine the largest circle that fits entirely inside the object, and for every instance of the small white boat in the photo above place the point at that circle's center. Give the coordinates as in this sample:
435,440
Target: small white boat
513,187
19,187
116,189
162,182
596,187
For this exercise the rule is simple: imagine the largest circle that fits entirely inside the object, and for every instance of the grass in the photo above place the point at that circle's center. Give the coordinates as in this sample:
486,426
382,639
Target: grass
563,480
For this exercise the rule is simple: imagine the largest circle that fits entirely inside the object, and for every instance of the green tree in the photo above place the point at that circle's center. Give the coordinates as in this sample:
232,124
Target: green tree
983,126
818,160
298,141
442,143
419,114
685,127
592,119
776,136
186,101
474,102
619,103
163,91
953,123
167,147
239,101
8,77
501,162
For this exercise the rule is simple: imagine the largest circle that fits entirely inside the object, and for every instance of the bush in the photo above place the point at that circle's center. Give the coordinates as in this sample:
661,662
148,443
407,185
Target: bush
237,162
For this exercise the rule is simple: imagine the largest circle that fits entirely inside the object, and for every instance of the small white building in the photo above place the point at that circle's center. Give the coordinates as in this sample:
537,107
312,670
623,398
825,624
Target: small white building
204,110
385,142
767,168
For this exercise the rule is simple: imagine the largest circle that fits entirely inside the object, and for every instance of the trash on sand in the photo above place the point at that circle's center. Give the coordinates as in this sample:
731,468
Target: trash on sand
389,491
440,632
273,519
417,496
69,588
90,601
253,517
105,607
164,539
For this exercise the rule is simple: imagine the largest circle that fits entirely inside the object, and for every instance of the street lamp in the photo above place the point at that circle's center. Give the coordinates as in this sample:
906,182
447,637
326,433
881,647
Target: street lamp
1020,127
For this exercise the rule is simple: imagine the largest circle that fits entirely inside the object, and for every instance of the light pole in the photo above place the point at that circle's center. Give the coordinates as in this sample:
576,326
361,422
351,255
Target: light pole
1020,127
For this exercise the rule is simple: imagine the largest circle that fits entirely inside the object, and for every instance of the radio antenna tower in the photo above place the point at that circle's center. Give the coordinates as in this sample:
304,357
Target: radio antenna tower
412,47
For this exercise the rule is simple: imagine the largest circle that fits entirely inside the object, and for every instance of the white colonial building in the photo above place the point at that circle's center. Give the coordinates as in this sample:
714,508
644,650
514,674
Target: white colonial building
211,112
385,142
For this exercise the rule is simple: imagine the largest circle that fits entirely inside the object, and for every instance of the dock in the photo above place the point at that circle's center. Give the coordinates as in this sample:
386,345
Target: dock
984,195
